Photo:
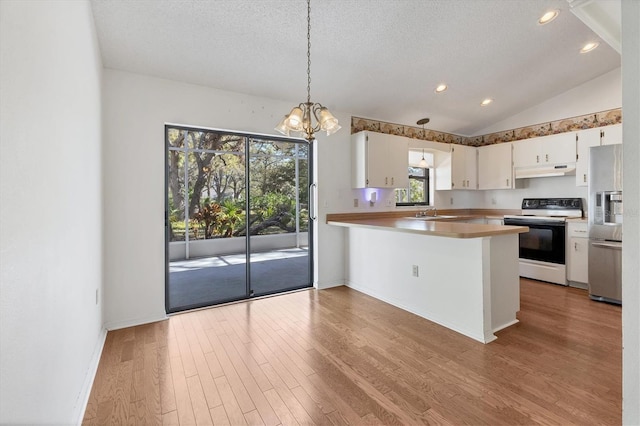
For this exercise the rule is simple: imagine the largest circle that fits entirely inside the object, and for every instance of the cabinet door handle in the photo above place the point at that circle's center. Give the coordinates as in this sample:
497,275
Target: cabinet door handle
537,158
386,181
507,182
392,180
546,157
584,178
575,246
467,183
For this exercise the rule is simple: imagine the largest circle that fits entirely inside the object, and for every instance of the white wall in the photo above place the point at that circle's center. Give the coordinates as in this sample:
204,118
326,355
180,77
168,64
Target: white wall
51,330
599,94
631,243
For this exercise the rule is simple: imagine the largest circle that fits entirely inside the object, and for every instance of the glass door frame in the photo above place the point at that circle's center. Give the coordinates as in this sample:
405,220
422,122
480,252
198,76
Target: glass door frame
311,207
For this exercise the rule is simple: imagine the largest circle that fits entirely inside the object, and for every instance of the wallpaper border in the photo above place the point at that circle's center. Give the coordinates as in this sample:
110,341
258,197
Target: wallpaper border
581,122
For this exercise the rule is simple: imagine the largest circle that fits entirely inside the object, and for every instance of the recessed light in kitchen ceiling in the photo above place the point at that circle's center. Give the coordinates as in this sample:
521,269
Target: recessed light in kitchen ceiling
548,17
589,47
441,88
486,102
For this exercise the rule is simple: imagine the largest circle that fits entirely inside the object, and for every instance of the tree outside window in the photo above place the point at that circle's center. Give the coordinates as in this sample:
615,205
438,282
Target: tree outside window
417,193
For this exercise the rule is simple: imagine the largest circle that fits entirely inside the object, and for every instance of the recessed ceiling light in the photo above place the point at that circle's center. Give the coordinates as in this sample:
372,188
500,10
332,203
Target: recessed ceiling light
486,102
441,88
589,47
548,17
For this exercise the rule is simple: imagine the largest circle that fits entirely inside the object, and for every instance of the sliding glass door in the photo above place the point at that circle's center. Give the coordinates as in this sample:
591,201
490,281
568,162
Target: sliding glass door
237,217
278,216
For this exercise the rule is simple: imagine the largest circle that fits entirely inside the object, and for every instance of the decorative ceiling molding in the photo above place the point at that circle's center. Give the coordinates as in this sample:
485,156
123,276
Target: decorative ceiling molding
604,17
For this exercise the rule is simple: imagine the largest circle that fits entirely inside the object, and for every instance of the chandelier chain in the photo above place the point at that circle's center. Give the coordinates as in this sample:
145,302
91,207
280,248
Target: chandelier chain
308,118
308,51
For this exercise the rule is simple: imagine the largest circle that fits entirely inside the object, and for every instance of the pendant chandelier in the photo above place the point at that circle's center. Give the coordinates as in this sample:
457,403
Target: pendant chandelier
308,117
423,163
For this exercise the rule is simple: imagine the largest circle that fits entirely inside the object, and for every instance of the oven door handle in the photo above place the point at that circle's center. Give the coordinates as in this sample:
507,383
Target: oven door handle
534,223
613,246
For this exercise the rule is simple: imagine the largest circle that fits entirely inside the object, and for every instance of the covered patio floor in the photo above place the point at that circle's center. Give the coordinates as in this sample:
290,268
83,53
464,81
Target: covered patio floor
223,278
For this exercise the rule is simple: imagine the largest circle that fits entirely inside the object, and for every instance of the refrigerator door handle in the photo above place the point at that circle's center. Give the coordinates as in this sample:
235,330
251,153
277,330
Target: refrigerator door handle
613,246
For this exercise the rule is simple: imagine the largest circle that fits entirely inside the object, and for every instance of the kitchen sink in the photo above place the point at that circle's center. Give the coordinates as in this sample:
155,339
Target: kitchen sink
431,217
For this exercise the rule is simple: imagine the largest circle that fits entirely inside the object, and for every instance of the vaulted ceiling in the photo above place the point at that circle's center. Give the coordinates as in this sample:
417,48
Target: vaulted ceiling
379,59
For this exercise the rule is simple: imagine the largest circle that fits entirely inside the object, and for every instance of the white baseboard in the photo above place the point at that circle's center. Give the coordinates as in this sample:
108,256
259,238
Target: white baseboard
485,338
116,325
503,326
329,284
85,392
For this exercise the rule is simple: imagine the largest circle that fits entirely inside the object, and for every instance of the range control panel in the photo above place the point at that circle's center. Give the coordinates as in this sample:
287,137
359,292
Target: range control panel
552,204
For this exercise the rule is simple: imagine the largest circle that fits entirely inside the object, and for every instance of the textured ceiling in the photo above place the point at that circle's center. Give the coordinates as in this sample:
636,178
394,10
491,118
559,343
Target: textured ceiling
371,58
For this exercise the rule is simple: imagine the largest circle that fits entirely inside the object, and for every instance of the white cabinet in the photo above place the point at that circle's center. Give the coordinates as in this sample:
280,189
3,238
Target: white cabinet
585,139
491,221
577,254
611,135
379,160
495,166
545,150
457,169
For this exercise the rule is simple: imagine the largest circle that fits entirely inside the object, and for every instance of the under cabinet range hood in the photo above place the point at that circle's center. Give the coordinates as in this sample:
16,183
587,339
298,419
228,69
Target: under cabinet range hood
545,171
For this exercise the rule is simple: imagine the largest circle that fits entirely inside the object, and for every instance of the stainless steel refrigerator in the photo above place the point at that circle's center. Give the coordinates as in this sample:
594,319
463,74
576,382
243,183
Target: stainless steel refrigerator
605,223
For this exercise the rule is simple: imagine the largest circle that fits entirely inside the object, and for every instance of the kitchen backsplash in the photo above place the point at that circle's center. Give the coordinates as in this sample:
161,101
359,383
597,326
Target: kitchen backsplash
587,121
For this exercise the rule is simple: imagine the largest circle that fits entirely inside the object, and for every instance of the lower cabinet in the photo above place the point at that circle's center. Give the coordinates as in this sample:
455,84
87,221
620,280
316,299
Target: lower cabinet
577,254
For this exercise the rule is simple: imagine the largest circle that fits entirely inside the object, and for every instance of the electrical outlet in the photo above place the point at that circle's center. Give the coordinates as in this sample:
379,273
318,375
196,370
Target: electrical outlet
451,202
389,203
355,202
414,270
493,201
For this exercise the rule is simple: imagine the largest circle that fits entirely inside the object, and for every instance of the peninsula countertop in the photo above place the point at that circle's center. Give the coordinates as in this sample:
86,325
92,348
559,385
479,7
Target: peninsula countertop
445,227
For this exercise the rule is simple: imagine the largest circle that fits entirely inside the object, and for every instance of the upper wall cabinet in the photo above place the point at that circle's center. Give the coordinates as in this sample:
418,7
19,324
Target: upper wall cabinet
457,169
495,170
585,139
546,150
379,160
611,135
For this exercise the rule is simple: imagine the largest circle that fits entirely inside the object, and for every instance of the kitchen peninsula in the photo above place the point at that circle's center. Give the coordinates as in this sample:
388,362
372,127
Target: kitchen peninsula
463,276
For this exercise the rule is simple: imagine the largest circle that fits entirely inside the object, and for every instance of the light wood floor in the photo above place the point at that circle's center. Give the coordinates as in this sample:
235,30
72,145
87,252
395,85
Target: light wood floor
339,357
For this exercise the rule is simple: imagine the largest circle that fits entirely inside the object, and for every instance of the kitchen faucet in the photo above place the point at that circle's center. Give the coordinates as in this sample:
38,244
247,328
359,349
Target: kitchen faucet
424,212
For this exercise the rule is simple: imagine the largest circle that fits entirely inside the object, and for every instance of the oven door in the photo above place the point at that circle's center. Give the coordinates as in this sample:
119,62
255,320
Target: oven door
544,242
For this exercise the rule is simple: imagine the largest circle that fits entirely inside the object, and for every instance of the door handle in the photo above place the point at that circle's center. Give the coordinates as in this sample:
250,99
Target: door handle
612,246
313,214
